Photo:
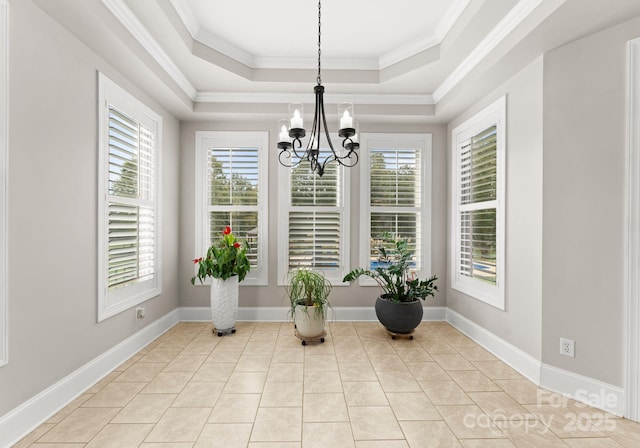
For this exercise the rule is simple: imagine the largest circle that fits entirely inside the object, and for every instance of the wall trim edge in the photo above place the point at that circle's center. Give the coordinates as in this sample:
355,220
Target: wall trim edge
20,421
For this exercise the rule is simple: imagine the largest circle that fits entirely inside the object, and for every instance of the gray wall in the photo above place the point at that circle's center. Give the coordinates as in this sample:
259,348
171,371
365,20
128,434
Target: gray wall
272,295
584,213
53,209
520,323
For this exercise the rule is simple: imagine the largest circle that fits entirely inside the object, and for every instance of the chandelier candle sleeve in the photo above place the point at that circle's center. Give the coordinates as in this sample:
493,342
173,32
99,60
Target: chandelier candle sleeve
296,110
283,135
345,112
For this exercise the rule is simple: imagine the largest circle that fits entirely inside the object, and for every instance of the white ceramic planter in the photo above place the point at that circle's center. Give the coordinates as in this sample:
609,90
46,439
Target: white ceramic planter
224,303
309,321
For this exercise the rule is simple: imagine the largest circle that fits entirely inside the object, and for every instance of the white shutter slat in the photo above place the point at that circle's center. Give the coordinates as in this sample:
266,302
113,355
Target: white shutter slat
478,192
395,177
131,226
233,176
314,239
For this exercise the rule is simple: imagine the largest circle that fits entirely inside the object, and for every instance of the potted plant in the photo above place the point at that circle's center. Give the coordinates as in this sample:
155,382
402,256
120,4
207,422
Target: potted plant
308,293
398,307
227,264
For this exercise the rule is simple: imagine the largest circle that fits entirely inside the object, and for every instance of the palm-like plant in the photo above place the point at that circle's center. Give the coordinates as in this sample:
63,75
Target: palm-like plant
392,275
308,288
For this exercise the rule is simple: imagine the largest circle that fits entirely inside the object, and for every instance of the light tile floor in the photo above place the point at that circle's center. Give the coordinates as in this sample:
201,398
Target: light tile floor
260,388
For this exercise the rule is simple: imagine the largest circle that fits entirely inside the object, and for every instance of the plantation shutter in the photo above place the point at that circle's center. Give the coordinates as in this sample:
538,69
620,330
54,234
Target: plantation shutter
131,206
315,217
233,183
395,198
477,206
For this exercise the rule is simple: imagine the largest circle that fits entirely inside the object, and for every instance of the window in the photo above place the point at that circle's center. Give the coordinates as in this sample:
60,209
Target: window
313,219
396,197
231,190
129,151
4,139
478,195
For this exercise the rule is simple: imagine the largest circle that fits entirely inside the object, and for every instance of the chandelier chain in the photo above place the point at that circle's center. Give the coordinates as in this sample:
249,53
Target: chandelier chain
319,79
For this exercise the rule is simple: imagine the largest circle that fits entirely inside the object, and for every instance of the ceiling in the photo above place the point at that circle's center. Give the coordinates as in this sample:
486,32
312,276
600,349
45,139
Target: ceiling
409,61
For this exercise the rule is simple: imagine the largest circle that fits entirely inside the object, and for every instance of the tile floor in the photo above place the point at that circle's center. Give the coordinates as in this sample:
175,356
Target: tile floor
261,388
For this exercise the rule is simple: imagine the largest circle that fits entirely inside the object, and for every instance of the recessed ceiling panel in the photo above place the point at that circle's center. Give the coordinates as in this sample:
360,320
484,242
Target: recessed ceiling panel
350,29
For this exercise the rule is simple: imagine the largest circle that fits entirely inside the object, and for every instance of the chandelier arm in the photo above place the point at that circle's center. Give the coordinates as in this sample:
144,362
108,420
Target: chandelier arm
288,163
352,156
293,148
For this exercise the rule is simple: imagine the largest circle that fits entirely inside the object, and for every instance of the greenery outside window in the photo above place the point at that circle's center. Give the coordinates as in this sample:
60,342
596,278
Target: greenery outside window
129,268
313,218
395,197
478,186
231,190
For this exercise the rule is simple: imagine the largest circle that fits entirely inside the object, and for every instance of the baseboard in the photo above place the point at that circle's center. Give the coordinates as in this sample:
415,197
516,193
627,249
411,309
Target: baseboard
280,314
20,421
581,388
586,390
519,360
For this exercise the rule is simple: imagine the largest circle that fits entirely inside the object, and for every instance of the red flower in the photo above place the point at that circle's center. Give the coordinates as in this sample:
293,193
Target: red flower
197,260
226,231
236,245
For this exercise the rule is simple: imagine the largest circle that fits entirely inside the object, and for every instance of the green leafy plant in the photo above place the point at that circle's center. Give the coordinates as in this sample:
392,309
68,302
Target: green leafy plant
392,273
308,288
224,259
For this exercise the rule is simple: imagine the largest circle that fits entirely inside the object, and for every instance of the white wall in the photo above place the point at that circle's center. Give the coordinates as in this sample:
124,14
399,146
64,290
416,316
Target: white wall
272,295
520,323
584,190
53,209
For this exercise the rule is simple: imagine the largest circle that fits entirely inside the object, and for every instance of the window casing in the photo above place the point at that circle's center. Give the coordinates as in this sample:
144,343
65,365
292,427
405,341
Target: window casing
4,142
231,189
129,267
395,196
478,205
313,220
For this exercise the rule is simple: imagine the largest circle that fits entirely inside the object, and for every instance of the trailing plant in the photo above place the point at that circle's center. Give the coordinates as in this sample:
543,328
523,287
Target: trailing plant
224,259
393,272
308,288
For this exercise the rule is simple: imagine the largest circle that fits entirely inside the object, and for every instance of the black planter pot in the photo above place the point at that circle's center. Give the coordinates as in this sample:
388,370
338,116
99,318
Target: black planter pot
399,317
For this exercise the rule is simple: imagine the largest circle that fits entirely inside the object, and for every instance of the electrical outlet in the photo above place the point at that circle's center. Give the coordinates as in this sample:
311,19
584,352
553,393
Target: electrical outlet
139,313
568,347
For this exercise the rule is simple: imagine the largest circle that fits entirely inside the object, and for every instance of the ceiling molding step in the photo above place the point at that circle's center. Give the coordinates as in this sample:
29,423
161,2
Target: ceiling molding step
509,22
407,51
449,19
308,98
207,38
428,56
312,63
365,112
188,18
222,46
215,57
129,20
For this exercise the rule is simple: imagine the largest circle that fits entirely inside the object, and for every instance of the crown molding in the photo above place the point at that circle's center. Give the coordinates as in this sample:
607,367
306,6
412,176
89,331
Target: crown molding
509,22
189,19
449,19
522,10
312,63
216,43
129,20
286,98
407,51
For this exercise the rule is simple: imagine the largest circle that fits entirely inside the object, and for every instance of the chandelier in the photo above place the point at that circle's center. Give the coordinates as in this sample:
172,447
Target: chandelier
291,130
